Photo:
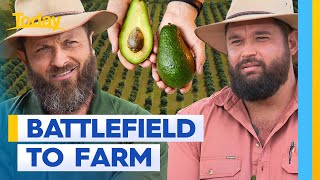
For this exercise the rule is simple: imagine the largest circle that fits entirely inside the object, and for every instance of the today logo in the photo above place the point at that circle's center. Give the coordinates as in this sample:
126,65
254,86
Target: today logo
38,21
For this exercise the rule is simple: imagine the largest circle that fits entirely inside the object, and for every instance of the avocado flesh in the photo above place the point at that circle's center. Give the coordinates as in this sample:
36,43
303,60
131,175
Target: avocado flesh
136,39
175,62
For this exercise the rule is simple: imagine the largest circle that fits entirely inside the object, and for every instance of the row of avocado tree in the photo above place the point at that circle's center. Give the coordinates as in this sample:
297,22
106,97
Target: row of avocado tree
135,86
208,79
148,101
106,54
16,88
215,12
219,67
8,80
153,10
120,87
163,102
195,86
110,74
222,9
97,5
101,43
216,56
7,66
150,83
88,6
10,71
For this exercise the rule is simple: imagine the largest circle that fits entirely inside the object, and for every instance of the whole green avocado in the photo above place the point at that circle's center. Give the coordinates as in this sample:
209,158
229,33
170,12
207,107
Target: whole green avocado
175,63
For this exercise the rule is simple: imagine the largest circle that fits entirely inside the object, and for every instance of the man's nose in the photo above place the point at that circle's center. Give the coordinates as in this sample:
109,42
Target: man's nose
249,50
59,58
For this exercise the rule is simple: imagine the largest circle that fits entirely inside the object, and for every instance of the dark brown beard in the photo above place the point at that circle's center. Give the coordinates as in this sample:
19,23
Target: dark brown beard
66,96
267,84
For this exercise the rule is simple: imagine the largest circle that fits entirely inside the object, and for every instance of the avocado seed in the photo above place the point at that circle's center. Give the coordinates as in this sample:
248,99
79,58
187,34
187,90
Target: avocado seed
136,40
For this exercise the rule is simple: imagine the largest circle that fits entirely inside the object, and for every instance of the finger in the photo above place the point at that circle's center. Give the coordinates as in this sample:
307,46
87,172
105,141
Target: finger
155,74
161,85
153,58
170,90
186,89
113,35
146,63
199,50
124,62
192,52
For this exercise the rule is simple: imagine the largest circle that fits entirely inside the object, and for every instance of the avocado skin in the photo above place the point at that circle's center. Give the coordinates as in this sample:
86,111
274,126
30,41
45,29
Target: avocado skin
137,17
175,62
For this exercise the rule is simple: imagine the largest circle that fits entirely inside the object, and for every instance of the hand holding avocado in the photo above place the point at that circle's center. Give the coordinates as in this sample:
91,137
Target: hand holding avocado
183,16
131,36
175,62
137,43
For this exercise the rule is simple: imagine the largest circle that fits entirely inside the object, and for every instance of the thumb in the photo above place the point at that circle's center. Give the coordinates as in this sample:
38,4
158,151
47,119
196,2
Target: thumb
199,51
113,35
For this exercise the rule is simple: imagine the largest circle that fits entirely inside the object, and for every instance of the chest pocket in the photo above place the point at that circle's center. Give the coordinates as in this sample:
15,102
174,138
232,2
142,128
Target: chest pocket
219,168
290,170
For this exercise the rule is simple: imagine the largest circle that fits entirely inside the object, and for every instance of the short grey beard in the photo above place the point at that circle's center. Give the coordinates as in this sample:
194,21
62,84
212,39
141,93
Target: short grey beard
55,103
72,96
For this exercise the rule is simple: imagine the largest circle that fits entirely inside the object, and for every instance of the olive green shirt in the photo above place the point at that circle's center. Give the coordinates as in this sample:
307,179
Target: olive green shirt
104,104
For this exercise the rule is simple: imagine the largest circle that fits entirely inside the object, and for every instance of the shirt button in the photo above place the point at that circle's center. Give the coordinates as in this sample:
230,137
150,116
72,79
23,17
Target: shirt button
258,144
210,172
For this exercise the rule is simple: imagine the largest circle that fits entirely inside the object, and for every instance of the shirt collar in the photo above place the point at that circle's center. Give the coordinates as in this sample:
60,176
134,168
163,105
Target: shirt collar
225,98
101,103
236,108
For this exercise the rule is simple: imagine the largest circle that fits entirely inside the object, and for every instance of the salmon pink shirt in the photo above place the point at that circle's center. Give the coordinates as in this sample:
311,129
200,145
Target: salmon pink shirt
231,149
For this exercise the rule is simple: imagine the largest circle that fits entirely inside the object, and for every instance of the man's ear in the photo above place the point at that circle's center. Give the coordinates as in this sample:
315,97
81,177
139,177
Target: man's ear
293,42
23,57
90,37
91,34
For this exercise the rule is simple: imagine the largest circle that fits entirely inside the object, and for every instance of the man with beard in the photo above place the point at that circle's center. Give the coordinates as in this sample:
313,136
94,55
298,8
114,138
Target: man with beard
61,68
251,127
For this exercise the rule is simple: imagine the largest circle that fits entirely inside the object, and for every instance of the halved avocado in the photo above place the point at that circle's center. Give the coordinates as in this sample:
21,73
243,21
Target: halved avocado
136,39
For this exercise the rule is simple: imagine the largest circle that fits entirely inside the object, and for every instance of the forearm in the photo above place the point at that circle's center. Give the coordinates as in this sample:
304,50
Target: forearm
182,9
185,8
120,2
118,6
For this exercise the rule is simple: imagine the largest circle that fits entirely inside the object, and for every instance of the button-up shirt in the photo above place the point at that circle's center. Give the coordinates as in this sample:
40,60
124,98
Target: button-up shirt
231,148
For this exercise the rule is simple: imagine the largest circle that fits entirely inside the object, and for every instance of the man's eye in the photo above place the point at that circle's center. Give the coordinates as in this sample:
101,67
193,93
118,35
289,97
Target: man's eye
262,38
235,42
43,49
70,43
